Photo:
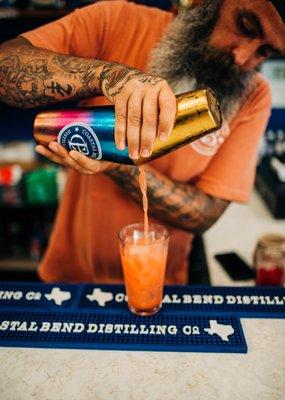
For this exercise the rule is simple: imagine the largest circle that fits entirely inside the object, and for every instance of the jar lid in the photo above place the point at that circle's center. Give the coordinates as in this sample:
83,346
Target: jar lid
273,240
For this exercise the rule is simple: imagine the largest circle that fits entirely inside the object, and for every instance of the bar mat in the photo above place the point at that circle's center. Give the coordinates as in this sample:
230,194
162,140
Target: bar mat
240,301
256,302
119,331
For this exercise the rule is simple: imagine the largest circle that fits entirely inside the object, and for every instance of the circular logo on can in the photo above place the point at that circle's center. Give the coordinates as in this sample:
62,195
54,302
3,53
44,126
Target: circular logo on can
80,137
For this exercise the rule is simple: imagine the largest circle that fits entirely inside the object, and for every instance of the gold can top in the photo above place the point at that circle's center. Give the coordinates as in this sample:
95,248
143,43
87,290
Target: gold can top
199,104
198,114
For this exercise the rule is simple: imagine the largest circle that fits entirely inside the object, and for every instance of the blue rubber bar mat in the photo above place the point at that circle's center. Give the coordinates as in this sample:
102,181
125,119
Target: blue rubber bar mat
239,301
256,302
211,334
23,295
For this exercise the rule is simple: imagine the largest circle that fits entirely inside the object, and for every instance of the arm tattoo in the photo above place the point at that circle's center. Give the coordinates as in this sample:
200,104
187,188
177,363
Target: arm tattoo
114,77
56,87
87,70
181,205
32,76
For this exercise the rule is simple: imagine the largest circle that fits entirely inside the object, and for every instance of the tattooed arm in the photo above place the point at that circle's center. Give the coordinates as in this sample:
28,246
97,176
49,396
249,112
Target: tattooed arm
145,106
31,76
181,205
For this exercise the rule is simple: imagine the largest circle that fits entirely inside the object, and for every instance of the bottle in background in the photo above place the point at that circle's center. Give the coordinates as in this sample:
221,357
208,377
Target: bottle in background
91,130
269,260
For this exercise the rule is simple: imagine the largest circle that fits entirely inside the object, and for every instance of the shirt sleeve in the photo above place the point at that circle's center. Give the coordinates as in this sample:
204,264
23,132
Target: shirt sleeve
79,33
230,175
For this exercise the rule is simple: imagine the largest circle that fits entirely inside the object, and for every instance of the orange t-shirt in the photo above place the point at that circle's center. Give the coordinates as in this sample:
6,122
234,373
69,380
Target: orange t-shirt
83,246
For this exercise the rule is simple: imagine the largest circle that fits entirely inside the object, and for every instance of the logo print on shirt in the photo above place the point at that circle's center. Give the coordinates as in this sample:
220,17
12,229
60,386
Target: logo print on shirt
208,145
80,137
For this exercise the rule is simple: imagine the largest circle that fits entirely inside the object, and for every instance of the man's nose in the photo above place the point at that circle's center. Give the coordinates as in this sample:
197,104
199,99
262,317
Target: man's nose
245,53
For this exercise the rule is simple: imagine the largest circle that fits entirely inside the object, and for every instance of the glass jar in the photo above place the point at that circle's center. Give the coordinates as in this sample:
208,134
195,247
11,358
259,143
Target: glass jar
269,260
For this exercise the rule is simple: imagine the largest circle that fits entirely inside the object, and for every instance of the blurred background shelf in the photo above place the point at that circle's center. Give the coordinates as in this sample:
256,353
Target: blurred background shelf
12,13
15,264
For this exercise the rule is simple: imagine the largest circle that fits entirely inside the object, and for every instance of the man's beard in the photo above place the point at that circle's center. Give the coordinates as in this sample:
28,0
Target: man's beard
186,61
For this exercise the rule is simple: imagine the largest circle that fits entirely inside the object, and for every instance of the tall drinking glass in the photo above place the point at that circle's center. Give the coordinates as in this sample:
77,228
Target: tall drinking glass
144,262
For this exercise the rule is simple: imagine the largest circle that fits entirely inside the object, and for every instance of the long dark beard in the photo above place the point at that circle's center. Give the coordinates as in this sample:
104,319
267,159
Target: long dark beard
184,56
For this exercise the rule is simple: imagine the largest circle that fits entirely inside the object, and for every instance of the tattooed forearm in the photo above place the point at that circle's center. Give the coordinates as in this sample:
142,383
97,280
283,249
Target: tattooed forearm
56,88
31,76
178,204
86,70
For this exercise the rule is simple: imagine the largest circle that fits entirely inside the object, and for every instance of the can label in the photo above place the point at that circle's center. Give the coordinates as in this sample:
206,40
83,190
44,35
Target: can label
82,138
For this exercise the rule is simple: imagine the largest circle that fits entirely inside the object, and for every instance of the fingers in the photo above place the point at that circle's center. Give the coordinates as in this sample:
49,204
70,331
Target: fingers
149,124
44,151
74,159
144,110
150,115
59,155
121,123
134,125
167,112
90,165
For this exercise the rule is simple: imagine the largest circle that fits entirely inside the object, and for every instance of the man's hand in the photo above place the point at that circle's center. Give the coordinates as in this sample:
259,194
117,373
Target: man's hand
145,107
74,159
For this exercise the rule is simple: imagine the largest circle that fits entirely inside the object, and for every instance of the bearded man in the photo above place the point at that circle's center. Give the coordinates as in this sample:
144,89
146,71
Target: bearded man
217,43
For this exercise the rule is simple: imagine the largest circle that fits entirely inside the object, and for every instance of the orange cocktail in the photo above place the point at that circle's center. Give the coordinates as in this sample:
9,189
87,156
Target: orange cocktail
144,262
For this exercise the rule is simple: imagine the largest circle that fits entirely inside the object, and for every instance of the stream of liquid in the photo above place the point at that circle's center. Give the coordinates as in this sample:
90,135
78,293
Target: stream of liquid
144,263
143,187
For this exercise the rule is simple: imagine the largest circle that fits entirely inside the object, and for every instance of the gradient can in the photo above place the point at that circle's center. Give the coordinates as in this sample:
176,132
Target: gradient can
91,130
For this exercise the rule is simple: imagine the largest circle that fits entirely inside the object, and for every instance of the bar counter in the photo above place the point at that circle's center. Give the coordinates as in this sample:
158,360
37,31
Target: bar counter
44,374
48,373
